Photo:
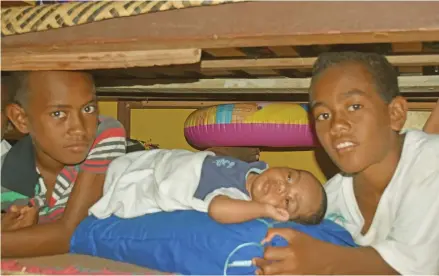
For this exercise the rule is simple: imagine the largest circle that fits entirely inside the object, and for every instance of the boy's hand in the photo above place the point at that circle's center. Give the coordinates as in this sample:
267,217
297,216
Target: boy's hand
276,213
19,217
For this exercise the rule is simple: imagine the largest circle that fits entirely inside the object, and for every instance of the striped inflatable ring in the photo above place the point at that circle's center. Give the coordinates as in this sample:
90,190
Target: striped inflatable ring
250,124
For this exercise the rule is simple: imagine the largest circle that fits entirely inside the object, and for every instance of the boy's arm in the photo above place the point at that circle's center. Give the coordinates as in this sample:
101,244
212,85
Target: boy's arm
54,238
432,124
224,209
306,255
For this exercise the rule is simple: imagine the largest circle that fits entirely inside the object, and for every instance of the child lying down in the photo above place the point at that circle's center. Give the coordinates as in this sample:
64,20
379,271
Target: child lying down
230,190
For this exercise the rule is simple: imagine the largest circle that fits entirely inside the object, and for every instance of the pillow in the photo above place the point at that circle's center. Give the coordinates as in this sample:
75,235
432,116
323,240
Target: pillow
188,242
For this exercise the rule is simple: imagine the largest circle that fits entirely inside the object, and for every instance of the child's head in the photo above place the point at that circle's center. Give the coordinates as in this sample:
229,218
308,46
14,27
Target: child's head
296,191
357,107
59,111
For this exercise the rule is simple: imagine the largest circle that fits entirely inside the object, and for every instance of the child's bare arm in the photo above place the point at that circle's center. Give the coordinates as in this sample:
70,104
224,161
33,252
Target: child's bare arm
432,124
224,209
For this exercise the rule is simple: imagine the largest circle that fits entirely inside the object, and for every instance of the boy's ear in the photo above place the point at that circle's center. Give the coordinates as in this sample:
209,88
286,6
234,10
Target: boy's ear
398,113
18,117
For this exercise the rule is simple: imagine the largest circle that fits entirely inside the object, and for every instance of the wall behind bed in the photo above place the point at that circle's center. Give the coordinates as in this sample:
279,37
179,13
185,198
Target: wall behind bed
165,127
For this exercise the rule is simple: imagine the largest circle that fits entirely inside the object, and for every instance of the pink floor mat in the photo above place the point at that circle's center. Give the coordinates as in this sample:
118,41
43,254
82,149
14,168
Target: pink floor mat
13,267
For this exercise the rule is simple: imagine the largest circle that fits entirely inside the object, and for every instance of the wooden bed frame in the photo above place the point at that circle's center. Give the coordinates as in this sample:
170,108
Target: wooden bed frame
245,51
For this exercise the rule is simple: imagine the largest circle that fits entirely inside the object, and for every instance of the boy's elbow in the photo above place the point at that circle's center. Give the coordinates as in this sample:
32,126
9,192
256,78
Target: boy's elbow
214,211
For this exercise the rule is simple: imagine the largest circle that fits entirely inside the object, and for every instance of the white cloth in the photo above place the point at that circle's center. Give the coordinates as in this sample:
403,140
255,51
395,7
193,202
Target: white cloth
405,228
5,147
145,182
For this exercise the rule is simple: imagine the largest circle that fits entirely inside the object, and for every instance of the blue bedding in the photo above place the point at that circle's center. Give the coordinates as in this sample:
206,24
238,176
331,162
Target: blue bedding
188,242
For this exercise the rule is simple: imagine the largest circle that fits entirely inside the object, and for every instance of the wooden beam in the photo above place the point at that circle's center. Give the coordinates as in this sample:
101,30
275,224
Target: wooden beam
124,116
8,4
187,104
58,60
225,52
408,48
263,86
284,51
420,106
247,24
160,104
305,63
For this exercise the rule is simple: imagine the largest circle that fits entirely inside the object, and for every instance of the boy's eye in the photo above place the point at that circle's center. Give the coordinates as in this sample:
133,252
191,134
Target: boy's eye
355,107
322,117
89,109
58,114
289,178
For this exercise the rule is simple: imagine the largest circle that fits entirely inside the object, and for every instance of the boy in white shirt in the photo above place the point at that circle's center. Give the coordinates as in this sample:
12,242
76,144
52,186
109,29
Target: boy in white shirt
387,195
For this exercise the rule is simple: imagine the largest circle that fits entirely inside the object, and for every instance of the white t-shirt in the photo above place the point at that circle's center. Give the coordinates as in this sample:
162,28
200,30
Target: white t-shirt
405,228
5,147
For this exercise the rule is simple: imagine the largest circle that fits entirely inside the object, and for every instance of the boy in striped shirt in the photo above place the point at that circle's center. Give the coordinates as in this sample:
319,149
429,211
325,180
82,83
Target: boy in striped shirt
56,173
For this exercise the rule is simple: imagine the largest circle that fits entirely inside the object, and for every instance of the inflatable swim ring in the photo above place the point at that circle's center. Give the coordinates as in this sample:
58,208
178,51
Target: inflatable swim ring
250,124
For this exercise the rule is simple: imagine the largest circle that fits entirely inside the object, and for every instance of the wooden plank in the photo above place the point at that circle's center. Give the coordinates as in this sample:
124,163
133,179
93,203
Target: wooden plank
305,63
58,60
217,73
225,52
420,106
424,84
414,47
159,104
188,104
261,72
8,4
248,24
284,51
124,115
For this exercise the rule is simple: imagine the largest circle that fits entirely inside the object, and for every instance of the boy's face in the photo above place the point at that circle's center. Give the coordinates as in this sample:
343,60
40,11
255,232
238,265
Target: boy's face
296,191
61,115
353,123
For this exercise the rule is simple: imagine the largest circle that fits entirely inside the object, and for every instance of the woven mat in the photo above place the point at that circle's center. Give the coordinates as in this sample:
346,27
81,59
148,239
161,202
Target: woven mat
19,20
12,267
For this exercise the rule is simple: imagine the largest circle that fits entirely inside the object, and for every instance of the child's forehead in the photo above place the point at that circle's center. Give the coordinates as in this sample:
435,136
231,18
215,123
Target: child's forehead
55,87
343,81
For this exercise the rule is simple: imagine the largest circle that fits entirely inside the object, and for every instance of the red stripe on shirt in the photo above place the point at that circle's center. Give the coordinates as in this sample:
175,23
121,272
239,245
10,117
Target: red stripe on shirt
112,132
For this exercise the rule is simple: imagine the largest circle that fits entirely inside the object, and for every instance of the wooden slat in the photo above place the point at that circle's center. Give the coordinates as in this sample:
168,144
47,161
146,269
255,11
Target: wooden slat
305,63
248,24
58,60
8,4
413,106
124,115
424,84
284,51
261,72
420,106
410,70
187,104
225,52
414,47
217,73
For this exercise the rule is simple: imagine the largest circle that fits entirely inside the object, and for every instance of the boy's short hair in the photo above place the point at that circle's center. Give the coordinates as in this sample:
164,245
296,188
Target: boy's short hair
18,87
383,73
